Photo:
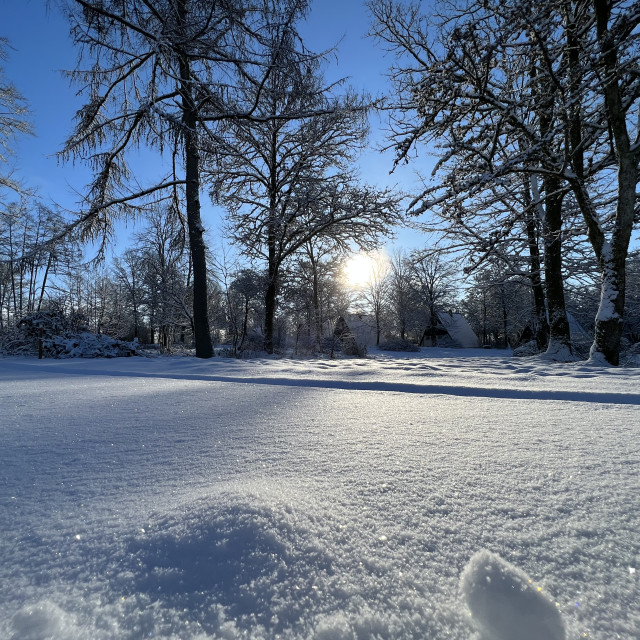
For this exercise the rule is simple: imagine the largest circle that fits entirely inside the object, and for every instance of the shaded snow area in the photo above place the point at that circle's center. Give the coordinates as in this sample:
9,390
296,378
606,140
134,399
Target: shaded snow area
457,495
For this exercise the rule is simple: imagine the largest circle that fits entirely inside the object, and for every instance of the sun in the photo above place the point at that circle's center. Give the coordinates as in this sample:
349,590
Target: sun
359,270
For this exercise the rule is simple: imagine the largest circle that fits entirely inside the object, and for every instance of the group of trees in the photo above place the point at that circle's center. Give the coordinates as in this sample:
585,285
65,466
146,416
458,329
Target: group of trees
534,107
31,266
230,93
146,294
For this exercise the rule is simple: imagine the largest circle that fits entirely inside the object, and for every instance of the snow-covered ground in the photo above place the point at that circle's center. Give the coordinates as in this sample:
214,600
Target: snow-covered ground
429,495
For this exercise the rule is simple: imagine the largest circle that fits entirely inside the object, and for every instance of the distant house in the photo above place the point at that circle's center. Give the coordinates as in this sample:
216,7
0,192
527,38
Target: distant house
459,330
363,327
452,330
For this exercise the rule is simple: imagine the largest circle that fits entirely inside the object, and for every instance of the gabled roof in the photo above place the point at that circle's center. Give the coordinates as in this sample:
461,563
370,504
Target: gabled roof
459,330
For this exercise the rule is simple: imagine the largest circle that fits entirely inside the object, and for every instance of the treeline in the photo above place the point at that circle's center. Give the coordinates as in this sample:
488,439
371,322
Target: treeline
532,107
146,293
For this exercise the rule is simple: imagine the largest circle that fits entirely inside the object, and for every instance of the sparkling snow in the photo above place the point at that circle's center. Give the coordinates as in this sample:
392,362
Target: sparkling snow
443,494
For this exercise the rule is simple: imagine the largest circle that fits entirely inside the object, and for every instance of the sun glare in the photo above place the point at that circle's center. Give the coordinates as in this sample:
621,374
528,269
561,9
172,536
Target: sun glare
358,270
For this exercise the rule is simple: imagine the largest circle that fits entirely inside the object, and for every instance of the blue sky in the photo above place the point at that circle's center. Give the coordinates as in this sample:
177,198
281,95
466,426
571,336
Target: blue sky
42,49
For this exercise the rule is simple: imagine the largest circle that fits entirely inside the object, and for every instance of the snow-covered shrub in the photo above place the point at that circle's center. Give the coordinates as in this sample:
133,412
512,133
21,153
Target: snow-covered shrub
61,335
527,349
13,342
343,341
398,345
53,322
25,336
354,349
346,345
630,357
88,345
634,349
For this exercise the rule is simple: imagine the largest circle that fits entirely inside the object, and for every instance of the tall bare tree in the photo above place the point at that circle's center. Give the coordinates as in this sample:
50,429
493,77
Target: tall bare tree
432,279
161,74
546,90
14,120
288,180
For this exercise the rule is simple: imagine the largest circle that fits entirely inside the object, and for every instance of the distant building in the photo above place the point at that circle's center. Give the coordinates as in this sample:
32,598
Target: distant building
451,330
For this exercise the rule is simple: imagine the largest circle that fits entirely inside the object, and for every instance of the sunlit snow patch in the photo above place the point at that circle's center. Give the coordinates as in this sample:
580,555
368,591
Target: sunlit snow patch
505,604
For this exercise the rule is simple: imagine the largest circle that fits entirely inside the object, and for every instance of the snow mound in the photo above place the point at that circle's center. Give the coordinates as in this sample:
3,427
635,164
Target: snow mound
42,621
505,604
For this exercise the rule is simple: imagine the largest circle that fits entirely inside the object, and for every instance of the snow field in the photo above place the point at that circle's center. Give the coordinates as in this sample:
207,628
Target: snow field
148,498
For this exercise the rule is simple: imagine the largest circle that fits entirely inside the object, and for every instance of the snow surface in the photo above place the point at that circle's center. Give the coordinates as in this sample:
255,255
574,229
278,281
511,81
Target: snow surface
410,495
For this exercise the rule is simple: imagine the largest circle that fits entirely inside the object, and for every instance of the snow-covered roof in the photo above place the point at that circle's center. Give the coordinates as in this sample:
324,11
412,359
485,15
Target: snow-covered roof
459,330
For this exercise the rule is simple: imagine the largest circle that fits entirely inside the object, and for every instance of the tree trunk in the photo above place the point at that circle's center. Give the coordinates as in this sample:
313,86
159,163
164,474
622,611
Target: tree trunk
535,270
245,324
273,264
270,308
609,319
44,281
612,257
433,324
505,317
559,335
202,334
317,320
559,346
204,346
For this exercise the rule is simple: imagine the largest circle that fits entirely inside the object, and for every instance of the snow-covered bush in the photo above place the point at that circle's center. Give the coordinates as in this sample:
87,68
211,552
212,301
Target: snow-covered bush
60,335
398,345
88,345
343,341
527,349
53,322
345,345
631,356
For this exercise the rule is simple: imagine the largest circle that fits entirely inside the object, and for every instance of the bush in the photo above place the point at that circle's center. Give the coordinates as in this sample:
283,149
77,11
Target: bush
52,322
527,349
398,345
630,357
61,336
88,345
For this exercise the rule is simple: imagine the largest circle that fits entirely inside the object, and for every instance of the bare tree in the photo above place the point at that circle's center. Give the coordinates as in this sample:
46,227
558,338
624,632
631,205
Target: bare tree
161,74
559,107
460,86
287,181
400,291
432,279
375,293
28,263
13,121
243,299
614,77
